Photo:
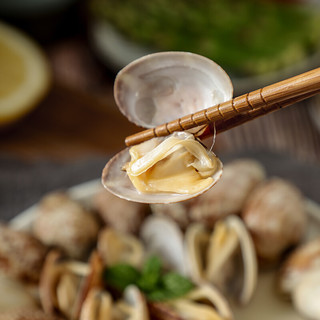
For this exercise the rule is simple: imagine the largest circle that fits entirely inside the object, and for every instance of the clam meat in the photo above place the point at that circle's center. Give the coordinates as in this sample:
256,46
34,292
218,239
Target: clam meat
97,306
204,302
153,90
163,170
65,284
118,247
179,164
224,257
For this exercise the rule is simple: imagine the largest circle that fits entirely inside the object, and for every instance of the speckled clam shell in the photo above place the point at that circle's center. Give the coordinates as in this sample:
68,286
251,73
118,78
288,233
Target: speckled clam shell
165,86
276,218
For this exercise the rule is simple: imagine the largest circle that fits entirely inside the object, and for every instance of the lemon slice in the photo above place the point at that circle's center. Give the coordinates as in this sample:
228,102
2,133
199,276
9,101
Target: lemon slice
24,74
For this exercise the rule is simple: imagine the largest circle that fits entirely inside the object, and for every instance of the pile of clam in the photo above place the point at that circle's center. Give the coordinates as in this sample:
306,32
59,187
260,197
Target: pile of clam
220,240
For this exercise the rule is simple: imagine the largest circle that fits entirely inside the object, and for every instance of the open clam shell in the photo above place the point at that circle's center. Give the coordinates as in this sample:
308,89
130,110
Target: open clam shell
211,258
156,89
116,180
97,306
203,302
118,247
164,86
164,238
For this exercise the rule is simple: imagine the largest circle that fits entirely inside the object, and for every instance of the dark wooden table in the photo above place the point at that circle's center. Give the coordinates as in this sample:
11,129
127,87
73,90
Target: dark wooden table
79,117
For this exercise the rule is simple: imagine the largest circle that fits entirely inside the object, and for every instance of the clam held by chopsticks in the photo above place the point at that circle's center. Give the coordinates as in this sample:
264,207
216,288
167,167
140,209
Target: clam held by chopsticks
170,87
155,89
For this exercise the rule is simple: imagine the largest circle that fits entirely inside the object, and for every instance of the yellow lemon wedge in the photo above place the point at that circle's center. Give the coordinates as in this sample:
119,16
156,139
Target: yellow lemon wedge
24,74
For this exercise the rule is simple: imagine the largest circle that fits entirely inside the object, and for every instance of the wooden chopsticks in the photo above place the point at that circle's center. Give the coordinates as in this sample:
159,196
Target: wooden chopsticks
224,125
240,109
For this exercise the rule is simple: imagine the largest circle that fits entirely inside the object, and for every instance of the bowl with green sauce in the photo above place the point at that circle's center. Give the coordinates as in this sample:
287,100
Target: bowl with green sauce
256,42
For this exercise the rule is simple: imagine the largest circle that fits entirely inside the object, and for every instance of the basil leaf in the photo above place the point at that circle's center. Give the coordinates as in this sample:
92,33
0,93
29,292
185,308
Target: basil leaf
120,276
160,295
152,265
176,283
150,276
156,286
171,286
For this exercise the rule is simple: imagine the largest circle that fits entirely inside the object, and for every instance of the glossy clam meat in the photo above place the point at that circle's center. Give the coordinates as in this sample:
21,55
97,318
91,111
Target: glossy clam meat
183,176
165,86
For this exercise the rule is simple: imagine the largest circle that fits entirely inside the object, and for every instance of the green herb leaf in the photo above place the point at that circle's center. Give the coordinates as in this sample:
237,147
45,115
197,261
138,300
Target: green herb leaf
152,265
171,286
150,276
161,295
156,286
121,275
176,283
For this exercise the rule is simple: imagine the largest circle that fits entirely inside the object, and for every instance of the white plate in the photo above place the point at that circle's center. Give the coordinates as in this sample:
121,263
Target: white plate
265,304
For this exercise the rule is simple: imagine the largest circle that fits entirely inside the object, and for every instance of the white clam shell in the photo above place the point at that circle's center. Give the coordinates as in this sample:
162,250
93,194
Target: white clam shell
116,180
137,302
197,246
165,86
163,238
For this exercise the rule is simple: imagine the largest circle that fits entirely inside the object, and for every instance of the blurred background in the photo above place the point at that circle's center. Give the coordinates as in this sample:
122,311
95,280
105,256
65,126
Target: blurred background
63,129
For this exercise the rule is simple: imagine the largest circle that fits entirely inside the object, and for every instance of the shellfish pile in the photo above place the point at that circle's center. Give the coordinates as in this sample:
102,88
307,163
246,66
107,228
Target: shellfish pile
187,256
215,244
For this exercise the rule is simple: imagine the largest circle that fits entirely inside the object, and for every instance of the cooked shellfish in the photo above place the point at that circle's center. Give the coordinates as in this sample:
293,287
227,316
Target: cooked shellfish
211,257
65,284
21,254
154,90
99,305
204,302
303,259
121,215
174,171
276,218
163,237
80,227
133,306
117,247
